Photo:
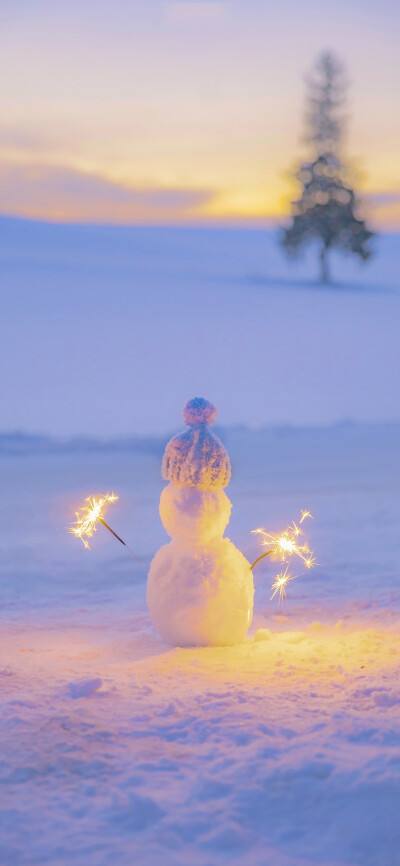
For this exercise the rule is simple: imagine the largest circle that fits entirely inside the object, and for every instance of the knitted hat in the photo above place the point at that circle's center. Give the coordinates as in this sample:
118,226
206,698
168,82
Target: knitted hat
196,457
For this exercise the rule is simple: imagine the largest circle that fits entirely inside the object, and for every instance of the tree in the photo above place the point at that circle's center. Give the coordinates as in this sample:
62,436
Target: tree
327,210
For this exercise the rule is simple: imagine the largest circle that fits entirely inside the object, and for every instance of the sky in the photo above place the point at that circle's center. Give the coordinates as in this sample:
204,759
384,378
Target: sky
180,111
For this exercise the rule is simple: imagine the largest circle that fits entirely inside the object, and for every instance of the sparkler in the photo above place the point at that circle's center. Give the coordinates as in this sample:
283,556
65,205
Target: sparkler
281,547
88,516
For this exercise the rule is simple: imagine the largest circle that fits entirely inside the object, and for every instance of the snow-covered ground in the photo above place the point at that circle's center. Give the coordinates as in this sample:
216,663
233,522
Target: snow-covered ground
110,330
114,748
282,751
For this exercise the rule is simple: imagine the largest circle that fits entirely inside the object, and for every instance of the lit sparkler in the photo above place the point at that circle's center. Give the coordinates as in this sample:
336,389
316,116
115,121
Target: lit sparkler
281,547
90,514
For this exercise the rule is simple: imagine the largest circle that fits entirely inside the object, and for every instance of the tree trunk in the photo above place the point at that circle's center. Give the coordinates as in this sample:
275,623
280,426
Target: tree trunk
324,271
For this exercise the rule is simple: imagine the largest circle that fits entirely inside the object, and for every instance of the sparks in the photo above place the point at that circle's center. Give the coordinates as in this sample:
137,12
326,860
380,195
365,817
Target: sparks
90,515
282,547
280,583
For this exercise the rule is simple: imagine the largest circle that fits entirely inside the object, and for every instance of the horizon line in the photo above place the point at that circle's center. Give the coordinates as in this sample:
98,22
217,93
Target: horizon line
217,223
120,438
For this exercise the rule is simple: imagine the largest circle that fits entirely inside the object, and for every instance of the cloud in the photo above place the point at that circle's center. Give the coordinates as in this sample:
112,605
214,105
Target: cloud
19,139
59,192
31,142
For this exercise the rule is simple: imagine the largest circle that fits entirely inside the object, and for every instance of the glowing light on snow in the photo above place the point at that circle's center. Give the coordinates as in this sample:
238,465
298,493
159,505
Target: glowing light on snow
89,515
282,546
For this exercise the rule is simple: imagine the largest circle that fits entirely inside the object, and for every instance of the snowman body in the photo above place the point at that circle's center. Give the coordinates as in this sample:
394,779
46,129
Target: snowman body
200,586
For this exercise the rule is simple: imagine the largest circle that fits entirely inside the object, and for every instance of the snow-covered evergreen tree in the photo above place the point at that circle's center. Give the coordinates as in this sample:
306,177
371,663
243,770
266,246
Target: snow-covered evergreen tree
327,209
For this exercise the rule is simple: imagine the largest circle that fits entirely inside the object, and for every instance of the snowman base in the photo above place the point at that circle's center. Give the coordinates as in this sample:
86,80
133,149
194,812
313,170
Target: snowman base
202,596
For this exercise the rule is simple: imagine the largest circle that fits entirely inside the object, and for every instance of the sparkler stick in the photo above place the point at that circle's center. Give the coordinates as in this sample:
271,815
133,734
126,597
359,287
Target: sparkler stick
259,558
90,515
110,529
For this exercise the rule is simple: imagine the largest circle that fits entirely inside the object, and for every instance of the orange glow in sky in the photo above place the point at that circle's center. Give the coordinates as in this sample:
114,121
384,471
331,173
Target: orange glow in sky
186,110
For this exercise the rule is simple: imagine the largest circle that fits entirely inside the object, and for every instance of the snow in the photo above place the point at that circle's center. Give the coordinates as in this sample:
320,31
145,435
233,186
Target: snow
284,750
194,515
118,327
114,747
203,596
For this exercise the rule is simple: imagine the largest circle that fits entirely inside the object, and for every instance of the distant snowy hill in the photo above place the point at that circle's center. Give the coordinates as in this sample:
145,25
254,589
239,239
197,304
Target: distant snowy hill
106,331
241,441
21,444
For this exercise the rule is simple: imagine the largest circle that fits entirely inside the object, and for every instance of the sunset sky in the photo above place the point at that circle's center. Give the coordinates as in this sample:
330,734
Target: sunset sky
153,111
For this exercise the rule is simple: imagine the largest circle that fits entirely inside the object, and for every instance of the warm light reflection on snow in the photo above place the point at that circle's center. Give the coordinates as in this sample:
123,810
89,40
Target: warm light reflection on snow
101,709
320,651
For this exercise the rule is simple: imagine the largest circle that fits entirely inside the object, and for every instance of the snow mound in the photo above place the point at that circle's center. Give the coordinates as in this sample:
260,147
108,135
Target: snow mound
201,597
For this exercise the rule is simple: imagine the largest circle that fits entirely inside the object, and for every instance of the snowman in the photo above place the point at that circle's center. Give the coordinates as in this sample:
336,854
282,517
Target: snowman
200,586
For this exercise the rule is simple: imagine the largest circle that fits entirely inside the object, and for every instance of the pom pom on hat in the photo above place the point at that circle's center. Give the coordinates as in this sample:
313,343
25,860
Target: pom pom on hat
199,411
